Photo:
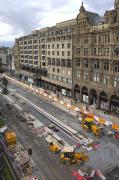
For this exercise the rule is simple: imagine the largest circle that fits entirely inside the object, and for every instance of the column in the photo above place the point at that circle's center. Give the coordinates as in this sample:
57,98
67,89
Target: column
109,105
101,70
81,98
72,92
89,97
81,68
90,71
98,102
111,66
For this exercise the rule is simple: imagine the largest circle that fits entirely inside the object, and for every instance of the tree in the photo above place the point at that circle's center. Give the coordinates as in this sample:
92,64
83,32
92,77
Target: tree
1,68
4,85
5,91
4,82
2,122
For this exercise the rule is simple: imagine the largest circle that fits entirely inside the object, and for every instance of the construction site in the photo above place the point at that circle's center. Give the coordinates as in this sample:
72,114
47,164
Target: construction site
88,151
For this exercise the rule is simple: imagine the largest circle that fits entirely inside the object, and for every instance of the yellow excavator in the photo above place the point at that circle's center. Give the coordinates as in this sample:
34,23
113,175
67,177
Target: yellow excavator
69,156
10,138
89,125
54,147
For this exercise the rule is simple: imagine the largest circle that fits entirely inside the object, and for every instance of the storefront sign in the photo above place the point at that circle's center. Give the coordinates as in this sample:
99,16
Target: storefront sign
100,27
64,92
30,80
85,98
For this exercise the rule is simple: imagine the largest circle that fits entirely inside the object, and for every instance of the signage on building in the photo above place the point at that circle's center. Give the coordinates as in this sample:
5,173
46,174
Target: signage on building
64,92
30,80
100,27
85,98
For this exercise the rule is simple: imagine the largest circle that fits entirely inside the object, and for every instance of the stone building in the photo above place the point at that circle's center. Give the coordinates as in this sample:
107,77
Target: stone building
96,59
15,57
29,55
5,58
59,58
45,57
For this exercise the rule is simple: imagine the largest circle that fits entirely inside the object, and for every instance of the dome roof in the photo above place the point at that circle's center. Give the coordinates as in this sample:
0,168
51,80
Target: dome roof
82,8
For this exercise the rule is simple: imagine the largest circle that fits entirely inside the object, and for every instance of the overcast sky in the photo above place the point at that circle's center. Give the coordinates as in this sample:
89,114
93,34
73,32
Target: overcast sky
19,17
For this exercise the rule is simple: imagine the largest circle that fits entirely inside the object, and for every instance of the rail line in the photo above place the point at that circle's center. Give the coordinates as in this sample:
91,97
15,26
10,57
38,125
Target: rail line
42,174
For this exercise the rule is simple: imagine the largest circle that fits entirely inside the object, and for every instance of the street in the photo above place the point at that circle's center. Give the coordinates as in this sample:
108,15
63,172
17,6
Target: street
48,165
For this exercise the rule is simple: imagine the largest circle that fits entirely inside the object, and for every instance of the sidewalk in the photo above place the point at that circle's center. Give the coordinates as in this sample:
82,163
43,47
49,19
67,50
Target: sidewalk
112,118
100,113
70,111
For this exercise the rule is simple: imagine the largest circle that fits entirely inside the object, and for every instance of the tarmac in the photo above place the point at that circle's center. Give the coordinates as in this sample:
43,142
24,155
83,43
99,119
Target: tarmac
97,112
100,113
105,155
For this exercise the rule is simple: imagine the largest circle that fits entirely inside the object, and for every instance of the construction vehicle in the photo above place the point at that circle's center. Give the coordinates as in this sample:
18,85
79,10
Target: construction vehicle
89,125
96,130
69,156
10,138
54,147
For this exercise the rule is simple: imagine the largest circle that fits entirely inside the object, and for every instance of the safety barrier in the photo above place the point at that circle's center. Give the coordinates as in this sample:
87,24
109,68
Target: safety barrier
69,106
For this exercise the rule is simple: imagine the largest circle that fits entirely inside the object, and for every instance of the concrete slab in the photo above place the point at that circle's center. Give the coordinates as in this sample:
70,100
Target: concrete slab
104,156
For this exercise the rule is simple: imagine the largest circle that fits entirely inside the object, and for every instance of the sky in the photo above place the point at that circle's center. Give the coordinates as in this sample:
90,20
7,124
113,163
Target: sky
20,17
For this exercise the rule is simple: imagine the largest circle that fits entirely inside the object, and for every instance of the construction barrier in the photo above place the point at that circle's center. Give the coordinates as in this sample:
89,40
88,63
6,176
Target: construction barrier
45,95
61,102
50,97
115,127
55,99
102,121
76,109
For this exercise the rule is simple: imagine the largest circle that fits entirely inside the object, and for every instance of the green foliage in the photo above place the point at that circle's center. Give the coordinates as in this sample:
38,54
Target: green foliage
4,85
2,122
7,172
5,91
4,81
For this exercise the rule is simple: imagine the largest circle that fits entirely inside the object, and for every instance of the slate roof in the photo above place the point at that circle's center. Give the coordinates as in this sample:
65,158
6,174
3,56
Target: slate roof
93,17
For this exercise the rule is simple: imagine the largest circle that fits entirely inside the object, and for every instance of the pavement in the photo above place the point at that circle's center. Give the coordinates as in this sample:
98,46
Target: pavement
57,110
98,112
62,113
104,157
